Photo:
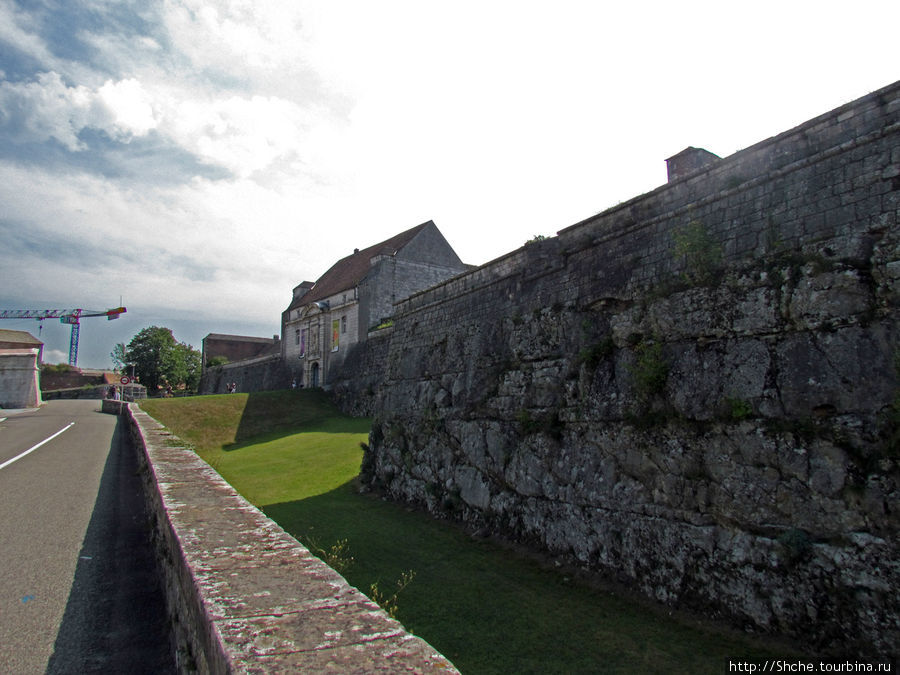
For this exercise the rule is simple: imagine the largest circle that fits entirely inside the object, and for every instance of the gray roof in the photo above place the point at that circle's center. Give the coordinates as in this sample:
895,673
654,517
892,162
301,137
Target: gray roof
19,337
348,272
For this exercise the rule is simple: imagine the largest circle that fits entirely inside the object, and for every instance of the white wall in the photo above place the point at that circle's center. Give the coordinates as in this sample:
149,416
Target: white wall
19,383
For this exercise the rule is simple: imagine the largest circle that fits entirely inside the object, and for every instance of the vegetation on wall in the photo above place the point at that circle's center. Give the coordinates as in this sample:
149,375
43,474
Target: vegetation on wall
649,370
699,252
548,423
737,409
216,361
57,368
594,354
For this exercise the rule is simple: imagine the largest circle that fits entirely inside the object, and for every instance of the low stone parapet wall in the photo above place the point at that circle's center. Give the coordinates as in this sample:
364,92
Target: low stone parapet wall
113,407
129,392
243,595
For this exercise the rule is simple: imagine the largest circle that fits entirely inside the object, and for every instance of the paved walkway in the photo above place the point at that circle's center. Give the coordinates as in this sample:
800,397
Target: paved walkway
78,583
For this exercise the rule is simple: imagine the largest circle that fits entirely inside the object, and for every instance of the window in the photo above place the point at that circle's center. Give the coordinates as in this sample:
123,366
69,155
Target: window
343,324
302,341
297,337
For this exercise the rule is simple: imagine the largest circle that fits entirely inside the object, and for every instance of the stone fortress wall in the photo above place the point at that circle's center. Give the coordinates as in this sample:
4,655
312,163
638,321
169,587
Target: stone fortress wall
263,373
695,391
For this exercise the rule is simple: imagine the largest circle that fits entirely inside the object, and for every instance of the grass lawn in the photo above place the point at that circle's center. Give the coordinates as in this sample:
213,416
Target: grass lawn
488,608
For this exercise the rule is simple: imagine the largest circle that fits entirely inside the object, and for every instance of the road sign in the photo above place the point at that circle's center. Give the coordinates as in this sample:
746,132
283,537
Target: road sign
125,379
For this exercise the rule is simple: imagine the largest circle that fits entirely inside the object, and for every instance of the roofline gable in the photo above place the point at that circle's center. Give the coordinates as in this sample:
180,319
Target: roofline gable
348,272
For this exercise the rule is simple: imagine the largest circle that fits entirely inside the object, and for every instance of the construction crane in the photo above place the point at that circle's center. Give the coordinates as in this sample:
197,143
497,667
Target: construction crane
69,316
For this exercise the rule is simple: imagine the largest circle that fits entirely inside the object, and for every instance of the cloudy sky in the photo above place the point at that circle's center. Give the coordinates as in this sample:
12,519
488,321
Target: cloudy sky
199,158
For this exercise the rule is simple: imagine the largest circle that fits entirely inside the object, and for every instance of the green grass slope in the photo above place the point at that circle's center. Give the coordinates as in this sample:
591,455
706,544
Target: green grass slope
301,445
488,608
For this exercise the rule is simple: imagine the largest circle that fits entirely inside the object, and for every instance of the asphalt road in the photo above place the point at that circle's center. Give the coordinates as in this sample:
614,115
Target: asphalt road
78,583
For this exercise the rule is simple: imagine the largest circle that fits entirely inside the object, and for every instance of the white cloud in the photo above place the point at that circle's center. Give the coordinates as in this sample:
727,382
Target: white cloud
260,43
18,30
243,134
55,356
205,247
130,107
47,108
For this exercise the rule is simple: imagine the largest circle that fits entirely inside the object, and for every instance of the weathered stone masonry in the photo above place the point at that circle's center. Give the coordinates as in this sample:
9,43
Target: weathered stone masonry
695,391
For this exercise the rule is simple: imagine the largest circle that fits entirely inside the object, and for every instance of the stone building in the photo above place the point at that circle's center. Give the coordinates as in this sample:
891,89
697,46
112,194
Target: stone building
20,357
20,339
357,294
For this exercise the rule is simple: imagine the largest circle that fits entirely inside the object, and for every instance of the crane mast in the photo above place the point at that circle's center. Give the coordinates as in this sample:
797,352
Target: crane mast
68,316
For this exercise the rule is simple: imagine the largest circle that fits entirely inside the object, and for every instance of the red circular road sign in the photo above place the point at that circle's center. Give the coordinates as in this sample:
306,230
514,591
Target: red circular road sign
125,379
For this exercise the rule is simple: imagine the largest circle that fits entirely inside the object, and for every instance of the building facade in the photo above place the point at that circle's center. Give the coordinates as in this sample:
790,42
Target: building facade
327,317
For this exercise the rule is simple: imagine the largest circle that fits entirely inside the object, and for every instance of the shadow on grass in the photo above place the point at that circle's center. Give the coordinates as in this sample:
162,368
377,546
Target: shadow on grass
492,609
269,415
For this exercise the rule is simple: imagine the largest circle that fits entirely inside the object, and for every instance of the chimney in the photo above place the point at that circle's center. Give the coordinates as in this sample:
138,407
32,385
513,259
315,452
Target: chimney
688,161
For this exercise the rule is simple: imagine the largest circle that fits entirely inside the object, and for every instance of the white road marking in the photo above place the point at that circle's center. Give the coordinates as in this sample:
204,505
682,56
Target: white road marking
35,447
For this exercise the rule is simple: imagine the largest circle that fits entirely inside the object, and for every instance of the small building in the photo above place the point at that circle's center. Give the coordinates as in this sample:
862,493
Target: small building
357,294
20,339
20,359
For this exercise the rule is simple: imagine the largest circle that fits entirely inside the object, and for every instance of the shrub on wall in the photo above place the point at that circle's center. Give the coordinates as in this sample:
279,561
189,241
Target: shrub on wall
649,371
594,354
700,253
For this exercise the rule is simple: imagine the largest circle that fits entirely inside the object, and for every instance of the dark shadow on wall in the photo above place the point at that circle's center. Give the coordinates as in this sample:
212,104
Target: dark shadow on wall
257,374
115,619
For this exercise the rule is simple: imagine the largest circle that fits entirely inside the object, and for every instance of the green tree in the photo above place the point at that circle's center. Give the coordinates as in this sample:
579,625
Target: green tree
158,359
147,352
183,367
118,357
